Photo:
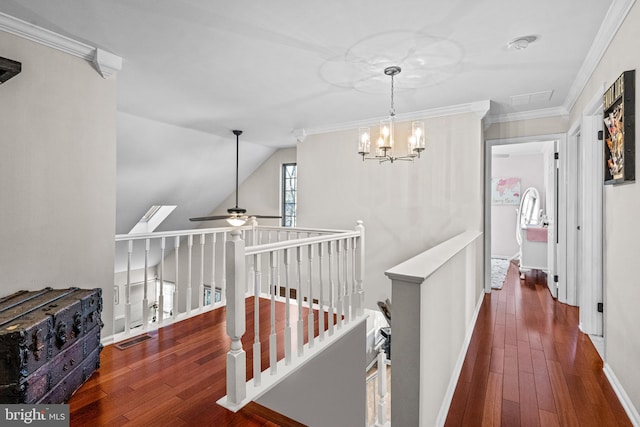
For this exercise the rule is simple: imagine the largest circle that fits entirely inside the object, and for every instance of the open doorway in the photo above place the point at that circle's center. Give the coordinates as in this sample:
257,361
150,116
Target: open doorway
523,194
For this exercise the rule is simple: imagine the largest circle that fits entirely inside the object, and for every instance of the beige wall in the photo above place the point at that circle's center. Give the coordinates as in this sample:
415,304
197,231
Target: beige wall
406,207
622,232
57,173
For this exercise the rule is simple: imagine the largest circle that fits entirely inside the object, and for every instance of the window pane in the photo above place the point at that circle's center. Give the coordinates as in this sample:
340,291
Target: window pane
289,183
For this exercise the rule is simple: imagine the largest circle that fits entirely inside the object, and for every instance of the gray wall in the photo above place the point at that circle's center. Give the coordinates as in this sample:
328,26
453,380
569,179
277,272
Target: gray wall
57,173
330,389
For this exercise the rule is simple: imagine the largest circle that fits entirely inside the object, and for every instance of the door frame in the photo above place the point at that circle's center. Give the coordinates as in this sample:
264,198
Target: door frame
561,143
591,289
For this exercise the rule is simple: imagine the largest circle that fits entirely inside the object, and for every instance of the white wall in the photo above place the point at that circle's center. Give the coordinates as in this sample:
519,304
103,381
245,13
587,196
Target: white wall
530,169
57,173
406,207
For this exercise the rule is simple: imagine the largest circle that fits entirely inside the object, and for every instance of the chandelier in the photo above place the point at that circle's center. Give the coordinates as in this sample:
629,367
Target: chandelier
386,137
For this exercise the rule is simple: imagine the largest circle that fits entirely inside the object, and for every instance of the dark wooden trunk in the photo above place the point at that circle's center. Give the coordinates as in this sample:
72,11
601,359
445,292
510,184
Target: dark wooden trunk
49,343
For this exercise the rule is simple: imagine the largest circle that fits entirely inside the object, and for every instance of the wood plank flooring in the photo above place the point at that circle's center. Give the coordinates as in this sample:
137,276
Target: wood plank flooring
529,365
176,378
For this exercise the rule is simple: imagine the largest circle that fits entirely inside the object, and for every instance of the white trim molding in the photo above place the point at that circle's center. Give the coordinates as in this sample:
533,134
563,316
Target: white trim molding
625,401
480,108
529,115
106,63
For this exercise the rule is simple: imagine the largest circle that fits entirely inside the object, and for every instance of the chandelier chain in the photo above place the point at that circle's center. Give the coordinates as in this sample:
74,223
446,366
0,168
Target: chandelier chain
392,112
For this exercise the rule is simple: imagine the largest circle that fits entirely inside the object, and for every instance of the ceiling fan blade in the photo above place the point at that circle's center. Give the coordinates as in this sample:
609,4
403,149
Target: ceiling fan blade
265,216
210,218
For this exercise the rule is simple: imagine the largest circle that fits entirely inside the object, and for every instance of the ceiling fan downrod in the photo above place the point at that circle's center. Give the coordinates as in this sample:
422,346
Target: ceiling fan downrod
237,210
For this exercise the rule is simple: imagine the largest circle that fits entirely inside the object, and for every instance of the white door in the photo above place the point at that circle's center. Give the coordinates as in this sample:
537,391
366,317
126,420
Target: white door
552,180
580,188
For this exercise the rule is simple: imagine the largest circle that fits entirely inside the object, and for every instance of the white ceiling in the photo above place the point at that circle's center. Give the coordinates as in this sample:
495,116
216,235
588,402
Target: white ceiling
195,69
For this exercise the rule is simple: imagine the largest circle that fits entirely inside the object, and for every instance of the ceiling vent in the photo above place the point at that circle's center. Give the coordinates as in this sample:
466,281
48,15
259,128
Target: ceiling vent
531,98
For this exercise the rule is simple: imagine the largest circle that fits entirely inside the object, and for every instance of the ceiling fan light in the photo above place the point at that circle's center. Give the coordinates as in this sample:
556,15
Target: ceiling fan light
236,221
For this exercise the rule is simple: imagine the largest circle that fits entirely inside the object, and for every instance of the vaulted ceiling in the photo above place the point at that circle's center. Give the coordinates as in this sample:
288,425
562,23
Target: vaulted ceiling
194,70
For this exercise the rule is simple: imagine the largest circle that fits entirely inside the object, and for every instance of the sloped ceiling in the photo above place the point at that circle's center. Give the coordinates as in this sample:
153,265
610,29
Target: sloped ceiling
194,70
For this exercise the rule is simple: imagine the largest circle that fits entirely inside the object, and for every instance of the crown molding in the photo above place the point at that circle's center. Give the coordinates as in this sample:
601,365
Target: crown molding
105,62
608,29
480,108
528,115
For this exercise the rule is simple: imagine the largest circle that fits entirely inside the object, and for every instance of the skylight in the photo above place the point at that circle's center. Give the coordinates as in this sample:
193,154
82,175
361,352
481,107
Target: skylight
152,218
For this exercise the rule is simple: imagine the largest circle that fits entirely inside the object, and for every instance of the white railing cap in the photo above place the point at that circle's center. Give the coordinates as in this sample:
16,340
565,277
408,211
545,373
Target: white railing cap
421,266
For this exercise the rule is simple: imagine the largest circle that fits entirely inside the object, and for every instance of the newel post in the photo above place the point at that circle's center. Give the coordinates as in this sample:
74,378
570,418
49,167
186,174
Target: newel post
359,269
236,357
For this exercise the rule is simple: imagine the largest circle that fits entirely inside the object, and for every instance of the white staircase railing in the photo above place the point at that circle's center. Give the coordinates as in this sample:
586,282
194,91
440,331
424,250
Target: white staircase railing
164,277
377,394
321,272
317,274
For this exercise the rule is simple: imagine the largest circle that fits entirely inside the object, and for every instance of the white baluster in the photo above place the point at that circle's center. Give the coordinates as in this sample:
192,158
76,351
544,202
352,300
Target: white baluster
257,351
127,291
213,269
273,350
359,269
332,311
287,310
223,277
339,305
300,340
236,357
310,318
382,389
145,299
353,295
189,269
161,296
321,296
345,291
201,296
176,247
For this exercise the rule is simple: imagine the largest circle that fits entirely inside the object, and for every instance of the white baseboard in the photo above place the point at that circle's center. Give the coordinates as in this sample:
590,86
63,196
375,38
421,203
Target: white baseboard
453,382
628,406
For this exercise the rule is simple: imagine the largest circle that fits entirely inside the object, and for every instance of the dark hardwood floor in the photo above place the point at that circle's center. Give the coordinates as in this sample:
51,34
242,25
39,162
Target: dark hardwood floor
529,365
175,378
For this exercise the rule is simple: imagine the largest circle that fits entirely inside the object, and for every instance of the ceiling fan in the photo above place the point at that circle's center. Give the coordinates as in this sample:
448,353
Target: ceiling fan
236,216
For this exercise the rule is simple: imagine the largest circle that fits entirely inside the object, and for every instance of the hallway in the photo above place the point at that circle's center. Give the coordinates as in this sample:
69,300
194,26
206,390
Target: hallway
529,365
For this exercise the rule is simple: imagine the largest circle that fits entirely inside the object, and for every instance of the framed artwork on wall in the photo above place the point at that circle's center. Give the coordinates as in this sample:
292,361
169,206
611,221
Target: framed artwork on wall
505,191
619,109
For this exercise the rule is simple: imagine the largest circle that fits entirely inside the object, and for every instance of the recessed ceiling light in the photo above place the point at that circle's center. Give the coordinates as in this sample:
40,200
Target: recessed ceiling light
521,42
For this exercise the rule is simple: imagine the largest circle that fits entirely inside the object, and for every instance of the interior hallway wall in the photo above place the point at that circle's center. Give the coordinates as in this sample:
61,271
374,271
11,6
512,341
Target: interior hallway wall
57,169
